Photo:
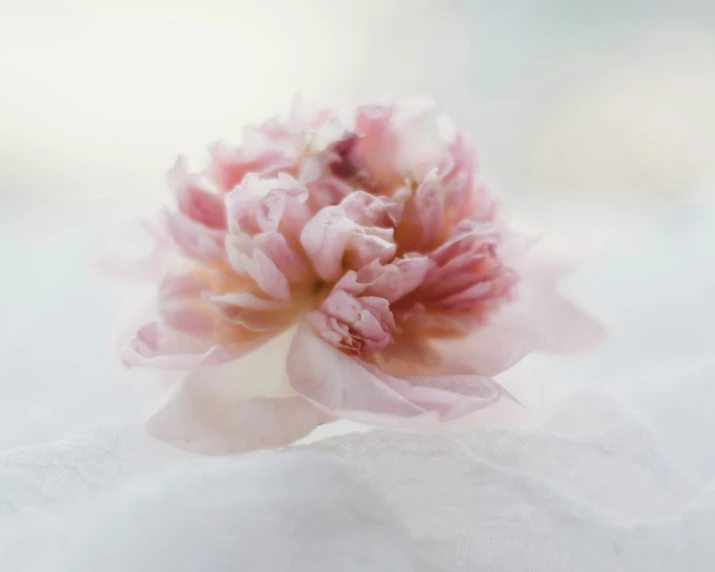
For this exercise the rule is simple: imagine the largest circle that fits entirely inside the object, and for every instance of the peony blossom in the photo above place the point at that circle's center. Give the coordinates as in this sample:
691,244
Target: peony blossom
365,252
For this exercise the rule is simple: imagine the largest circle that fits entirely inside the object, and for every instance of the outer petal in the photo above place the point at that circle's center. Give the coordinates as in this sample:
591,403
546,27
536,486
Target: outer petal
157,346
195,201
147,268
452,396
571,329
254,313
266,151
354,389
557,324
325,239
491,349
266,274
238,406
263,205
345,387
194,330
199,417
377,150
203,244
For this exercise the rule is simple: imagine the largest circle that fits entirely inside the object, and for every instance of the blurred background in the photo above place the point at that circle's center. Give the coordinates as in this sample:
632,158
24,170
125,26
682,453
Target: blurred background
594,119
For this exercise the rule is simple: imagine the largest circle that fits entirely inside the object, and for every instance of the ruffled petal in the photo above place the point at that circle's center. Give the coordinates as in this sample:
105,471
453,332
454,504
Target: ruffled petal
490,349
345,386
159,347
389,281
243,405
268,205
265,153
193,330
266,274
557,324
351,235
561,326
147,268
325,239
195,201
364,392
452,396
203,416
198,242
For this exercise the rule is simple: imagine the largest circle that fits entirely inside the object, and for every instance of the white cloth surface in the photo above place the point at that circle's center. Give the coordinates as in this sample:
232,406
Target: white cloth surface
593,489
617,472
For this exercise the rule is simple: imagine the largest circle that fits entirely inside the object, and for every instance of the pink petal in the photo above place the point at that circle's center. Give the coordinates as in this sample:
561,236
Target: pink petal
351,235
250,301
189,320
377,150
490,349
275,246
203,414
150,267
327,191
371,210
181,306
268,205
253,313
422,220
395,280
230,166
196,202
566,328
370,244
340,165
452,396
267,276
154,346
181,286
558,324
197,241
345,386
325,239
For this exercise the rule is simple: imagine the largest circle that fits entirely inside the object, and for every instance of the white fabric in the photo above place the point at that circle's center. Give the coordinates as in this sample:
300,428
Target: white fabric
592,490
616,472
267,511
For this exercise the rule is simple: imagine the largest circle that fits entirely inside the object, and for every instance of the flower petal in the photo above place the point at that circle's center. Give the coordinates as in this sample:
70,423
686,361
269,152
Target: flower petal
490,349
155,346
147,268
347,387
452,396
250,301
195,201
263,271
199,416
325,238
201,243
566,328
390,281
259,155
243,405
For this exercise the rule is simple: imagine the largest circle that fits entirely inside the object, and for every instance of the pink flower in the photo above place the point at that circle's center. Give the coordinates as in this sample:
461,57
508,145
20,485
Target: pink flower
368,253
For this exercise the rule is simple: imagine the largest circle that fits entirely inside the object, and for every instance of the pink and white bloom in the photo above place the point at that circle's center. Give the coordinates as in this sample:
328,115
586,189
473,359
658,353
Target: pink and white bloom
370,260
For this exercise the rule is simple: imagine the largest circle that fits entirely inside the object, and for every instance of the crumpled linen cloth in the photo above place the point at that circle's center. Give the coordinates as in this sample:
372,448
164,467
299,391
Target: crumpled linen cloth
597,487
616,472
